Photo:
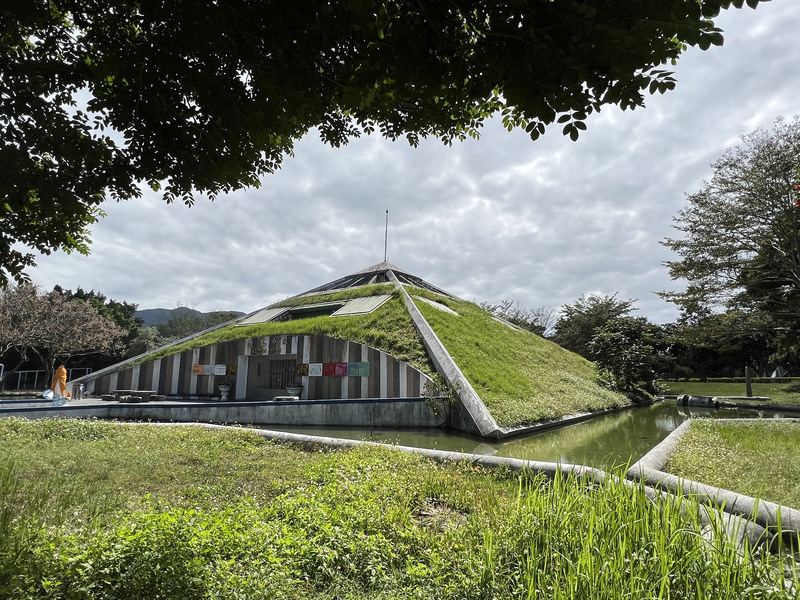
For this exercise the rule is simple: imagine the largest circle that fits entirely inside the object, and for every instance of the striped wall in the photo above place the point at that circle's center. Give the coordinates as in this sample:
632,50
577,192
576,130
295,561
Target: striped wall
172,375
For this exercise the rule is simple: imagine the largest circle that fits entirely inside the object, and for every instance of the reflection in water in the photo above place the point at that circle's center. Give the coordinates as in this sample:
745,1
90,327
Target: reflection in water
668,422
606,441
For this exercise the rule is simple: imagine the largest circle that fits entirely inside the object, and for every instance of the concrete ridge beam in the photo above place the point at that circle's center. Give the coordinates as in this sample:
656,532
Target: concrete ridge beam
477,415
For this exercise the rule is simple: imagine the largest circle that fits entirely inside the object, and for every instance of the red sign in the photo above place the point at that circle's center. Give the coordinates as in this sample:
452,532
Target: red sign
328,369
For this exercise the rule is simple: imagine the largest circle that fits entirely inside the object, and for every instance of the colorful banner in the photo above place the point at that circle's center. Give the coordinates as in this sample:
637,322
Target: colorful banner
209,369
354,369
358,369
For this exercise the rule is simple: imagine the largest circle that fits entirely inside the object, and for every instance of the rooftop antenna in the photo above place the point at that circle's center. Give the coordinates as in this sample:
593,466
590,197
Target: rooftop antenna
386,238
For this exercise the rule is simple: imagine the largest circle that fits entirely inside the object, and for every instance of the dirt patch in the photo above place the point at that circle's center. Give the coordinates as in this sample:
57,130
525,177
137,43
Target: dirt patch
437,516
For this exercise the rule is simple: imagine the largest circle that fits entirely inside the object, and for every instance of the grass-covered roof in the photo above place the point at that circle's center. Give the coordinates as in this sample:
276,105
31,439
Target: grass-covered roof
389,328
520,377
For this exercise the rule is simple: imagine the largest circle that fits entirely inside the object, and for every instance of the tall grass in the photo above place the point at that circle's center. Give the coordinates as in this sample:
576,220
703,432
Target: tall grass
371,523
26,511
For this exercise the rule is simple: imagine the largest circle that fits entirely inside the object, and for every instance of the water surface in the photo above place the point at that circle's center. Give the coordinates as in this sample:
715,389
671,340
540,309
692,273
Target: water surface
606,441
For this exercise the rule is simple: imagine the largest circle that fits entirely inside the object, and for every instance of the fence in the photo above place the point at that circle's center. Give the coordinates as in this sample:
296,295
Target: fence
37,380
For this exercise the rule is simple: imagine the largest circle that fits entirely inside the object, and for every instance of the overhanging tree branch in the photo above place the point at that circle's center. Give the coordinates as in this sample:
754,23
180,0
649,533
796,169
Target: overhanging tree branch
208,97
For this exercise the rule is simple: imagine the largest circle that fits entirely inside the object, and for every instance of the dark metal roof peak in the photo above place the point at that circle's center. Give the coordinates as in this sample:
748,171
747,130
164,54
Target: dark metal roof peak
383,266
384,272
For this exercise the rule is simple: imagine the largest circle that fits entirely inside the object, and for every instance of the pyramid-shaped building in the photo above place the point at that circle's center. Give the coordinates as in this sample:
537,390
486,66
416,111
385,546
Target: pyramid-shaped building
380,347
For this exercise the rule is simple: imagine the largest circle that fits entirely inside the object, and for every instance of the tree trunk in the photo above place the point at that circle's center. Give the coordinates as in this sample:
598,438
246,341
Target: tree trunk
747,382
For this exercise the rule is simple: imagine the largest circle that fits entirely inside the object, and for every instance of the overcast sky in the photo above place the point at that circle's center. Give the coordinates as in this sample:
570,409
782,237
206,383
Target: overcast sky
498,218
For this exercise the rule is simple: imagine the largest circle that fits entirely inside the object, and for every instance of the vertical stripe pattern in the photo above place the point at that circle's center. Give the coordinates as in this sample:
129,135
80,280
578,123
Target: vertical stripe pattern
172,375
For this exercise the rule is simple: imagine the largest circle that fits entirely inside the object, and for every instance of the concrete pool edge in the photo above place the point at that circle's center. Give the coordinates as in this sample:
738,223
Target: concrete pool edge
397,412
648,470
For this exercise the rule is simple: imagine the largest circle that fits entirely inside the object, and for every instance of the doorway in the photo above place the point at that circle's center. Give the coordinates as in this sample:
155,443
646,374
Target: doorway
268,376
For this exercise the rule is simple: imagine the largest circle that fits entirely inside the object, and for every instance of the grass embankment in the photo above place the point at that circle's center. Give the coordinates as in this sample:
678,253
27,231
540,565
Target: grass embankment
787,394
759,458
230,515
521,377
389,328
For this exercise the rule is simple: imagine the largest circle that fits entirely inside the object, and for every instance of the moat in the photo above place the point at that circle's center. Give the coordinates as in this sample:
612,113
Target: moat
606,441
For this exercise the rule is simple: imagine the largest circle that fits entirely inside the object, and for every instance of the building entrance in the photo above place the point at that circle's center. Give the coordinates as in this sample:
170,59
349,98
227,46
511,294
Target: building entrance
268,376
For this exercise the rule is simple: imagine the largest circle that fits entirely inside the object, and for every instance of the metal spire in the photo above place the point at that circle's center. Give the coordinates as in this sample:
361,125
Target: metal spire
386,239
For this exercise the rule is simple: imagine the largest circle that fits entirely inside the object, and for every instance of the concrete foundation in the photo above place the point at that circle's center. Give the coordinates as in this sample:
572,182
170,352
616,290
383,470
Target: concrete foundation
385,412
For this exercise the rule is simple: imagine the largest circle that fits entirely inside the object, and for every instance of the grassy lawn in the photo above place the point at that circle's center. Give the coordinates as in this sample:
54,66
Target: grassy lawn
759,458
96,510
780,393
521,377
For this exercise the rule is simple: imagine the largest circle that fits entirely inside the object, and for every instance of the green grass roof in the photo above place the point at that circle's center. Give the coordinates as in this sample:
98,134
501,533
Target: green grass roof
521,377
389,328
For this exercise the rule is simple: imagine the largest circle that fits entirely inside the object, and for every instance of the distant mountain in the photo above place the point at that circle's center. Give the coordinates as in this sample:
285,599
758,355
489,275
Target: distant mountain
157,316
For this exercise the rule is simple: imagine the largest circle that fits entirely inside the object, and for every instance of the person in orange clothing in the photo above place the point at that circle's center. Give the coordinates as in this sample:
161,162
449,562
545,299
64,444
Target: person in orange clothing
59,386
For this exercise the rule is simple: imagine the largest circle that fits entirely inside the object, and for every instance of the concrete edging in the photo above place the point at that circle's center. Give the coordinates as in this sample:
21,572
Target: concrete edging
766,514
361,412
479,420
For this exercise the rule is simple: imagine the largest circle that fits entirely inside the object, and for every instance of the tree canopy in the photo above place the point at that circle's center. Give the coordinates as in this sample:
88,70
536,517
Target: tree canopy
200,96
625,350
628,351
579,321
121,313
53,327
538,320
740,248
